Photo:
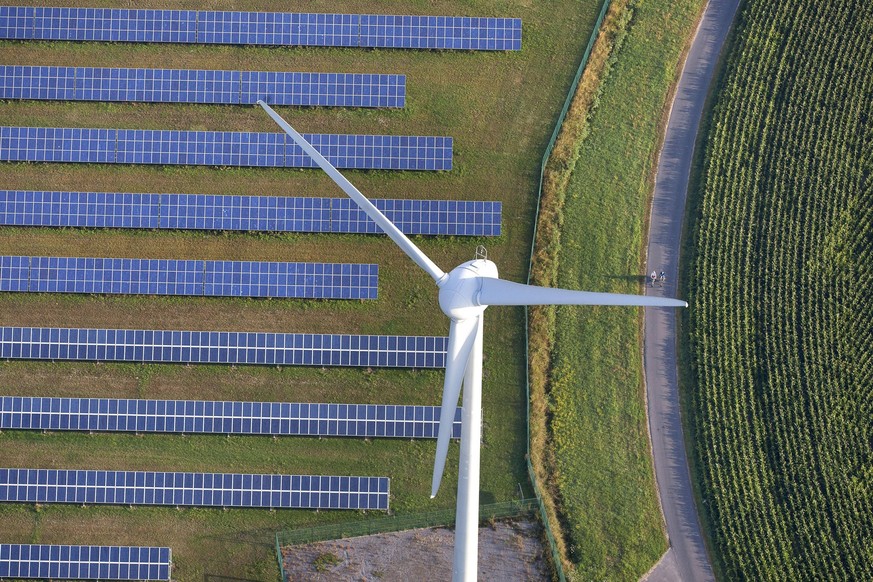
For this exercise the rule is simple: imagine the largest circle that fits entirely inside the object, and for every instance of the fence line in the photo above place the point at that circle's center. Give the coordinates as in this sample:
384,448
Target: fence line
550,536
282,577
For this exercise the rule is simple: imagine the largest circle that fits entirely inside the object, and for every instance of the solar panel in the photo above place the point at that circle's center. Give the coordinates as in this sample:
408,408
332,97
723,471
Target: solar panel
202,86
16,22
423,217
440,32
250,213
222,148
181,277
374,152
222,417
193,489
297,280
261,28
222,347
57,144
84,562
323,89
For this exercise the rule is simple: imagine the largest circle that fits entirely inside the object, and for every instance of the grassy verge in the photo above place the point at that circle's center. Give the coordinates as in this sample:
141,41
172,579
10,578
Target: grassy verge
499,108
594,413
545,268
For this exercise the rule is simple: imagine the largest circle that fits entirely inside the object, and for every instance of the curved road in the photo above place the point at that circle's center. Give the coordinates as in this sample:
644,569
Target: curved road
686,559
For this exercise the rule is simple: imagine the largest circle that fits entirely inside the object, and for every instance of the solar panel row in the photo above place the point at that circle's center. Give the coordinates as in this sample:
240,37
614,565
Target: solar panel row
221,148
202,86
261,28
213,347
193,489
180,277
222,417
251,213
434,217
84,562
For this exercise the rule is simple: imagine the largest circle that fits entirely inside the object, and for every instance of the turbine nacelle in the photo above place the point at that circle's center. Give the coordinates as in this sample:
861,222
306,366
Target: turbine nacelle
459,291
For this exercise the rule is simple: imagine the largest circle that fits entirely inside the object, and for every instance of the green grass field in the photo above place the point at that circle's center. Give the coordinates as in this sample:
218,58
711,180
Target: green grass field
779,334
500,110
604,480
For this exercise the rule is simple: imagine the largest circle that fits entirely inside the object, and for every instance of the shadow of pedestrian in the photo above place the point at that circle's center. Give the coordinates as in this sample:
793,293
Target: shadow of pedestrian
639,279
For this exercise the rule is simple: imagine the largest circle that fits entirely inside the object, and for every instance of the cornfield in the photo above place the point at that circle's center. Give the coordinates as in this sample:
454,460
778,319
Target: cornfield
781,294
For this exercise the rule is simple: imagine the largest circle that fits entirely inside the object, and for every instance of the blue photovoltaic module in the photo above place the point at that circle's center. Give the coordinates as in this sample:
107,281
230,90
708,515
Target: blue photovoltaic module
193,489
181,277
249,213
261,28
222,347
221,148
223,417
84,562
202,86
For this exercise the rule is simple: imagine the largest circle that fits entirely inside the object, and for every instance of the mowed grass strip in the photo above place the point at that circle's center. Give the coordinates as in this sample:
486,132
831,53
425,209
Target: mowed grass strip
603,477
499,108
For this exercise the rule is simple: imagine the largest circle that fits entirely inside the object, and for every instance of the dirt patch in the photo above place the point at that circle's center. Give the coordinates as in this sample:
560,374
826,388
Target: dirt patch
508,550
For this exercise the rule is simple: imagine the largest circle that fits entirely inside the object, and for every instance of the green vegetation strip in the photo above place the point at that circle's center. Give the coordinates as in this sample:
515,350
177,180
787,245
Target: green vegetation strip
602,478
781,287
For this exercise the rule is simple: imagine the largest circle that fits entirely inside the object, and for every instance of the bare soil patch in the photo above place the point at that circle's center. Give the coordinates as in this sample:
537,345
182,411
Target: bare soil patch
508,550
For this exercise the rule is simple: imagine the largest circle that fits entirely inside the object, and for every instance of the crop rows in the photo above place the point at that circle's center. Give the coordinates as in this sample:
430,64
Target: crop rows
780,325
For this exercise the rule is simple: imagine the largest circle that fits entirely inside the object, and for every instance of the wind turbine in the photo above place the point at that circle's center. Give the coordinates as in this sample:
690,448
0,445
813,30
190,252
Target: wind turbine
464,293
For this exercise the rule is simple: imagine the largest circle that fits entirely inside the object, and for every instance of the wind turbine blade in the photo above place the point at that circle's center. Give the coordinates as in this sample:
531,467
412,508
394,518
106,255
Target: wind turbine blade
408,247
461,339
500,292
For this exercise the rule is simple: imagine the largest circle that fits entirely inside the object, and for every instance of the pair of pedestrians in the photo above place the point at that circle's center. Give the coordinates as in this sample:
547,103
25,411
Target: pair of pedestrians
658,278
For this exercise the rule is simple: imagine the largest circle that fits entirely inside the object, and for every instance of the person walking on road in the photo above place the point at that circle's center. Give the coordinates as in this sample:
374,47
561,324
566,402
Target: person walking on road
662,278
654,277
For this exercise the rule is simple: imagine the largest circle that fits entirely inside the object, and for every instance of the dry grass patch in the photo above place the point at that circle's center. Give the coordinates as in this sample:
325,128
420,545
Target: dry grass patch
544,271
590,432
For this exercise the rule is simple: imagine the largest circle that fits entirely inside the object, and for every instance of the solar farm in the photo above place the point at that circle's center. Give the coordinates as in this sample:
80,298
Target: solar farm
202,342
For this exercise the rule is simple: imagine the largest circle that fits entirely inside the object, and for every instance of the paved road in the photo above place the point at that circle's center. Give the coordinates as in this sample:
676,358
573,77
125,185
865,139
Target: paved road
687,555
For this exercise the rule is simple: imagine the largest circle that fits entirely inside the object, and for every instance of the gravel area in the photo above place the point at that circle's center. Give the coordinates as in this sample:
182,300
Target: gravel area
508,550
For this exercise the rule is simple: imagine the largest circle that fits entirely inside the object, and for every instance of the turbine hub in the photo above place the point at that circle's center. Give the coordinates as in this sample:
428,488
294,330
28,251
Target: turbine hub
459,294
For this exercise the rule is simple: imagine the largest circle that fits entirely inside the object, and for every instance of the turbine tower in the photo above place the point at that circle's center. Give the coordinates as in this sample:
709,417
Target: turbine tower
464,293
